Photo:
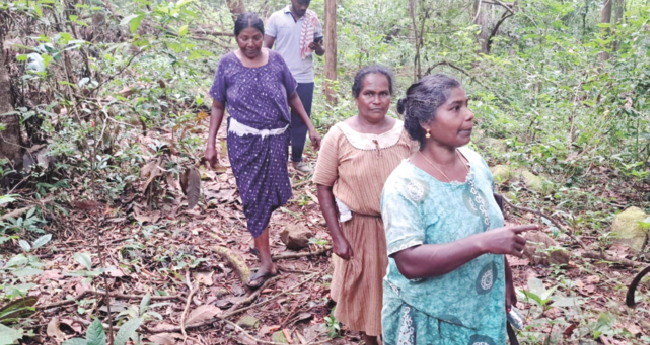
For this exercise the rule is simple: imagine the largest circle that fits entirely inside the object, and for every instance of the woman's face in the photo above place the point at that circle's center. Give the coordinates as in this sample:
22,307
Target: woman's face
250,41
374,99
453,123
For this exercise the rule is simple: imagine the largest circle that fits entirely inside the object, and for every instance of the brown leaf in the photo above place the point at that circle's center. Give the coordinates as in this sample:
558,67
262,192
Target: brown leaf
204,277
165,338
85,204
193,188
202,313
569,331
53,330
183,178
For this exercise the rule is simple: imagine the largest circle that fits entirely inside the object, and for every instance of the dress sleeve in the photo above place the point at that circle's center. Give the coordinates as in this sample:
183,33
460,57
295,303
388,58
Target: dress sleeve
401,214
327,165
218,89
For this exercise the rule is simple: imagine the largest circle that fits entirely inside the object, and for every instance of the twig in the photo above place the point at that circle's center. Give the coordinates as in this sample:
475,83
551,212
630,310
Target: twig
187,305
606,257
301,183
232,313
97,293
300,255
259,341
551,219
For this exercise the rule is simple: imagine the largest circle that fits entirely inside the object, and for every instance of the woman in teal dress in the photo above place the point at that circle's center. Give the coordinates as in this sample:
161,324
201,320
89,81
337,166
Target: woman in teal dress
447,280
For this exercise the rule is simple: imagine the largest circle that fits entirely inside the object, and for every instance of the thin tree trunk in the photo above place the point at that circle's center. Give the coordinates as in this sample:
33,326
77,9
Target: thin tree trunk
618,19
480,17
10,139
330,50
417,70
606,18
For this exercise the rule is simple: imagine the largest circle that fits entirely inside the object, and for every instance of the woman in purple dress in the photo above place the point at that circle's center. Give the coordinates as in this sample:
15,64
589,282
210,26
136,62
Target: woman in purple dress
256,88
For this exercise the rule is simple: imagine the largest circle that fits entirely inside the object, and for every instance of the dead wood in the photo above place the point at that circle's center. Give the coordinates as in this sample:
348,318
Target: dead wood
113,295
235,260
300,255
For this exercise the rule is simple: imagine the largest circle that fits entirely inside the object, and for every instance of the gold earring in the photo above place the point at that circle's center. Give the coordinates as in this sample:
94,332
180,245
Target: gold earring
428,135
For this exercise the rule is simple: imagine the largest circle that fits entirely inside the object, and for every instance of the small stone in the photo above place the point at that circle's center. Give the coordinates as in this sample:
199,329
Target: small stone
627,230
502,173
248,322
221,293
279,337
536,183
539,250
295,236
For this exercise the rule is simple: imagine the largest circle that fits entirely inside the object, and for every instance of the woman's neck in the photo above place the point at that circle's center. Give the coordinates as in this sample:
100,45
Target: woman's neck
364,125
443,156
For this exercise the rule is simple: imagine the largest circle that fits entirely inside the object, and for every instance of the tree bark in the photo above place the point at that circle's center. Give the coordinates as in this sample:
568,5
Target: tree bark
330,50
606,18
618,19
10,139
480,17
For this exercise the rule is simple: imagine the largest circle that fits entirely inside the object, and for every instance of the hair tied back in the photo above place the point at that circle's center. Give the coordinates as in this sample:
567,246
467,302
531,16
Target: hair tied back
401,105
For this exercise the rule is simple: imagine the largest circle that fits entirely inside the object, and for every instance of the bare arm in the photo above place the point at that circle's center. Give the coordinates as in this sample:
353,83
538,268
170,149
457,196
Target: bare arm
298,108
328,207
269,41
215,122
430,260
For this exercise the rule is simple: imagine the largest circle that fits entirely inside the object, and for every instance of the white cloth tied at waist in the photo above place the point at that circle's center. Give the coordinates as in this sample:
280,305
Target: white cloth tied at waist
345,213
241,129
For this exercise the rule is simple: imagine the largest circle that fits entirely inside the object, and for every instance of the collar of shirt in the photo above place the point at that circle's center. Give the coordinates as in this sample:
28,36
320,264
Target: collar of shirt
287,10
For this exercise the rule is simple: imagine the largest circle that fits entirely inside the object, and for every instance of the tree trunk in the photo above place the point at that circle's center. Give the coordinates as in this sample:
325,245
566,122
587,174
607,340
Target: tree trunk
480,17
330,50
618,19
10,139
606,18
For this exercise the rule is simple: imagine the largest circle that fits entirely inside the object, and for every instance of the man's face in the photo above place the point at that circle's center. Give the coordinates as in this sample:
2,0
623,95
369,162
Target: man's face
299,7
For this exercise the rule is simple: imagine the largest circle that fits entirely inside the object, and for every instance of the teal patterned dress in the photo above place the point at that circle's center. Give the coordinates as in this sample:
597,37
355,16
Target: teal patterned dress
465,306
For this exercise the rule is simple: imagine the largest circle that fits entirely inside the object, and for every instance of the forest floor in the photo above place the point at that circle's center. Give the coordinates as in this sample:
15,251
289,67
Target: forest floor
157,246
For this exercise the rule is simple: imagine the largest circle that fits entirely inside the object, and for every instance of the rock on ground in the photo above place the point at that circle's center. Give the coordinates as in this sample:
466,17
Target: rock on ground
627,230
279,337
502,173
536,183
248,322
537,249
295,236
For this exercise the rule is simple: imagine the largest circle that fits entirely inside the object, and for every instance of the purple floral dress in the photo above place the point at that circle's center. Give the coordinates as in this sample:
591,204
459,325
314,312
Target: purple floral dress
257,97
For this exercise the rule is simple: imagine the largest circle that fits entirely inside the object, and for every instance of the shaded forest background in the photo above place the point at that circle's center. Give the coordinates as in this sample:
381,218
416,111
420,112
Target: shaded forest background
103,118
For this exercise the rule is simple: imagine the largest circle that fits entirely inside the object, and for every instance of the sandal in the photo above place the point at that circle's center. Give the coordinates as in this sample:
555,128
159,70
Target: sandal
258,279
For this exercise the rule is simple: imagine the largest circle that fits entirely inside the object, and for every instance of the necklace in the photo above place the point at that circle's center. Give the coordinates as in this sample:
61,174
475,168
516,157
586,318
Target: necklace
440,171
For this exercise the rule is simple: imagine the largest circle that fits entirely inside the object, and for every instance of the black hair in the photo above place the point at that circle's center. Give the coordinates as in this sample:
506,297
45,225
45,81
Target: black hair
248,20
422,101
361,75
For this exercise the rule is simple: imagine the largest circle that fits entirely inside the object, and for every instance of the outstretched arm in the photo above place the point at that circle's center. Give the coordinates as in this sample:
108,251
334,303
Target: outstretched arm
430,260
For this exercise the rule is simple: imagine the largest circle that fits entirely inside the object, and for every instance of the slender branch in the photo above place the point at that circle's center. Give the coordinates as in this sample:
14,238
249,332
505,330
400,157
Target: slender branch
187,305
113,295
551,219
300,255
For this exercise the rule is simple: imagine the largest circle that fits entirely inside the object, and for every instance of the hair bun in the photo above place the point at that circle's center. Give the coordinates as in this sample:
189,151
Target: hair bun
401,105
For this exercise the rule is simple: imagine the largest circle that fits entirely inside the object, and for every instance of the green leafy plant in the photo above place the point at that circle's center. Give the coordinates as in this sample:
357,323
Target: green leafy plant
332,325
95,334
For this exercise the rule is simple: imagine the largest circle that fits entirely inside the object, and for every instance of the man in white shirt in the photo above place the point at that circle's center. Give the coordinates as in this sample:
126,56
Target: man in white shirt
296,33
